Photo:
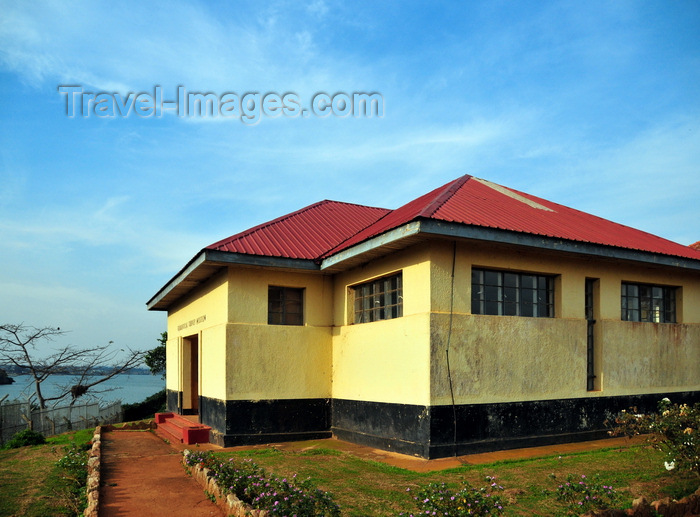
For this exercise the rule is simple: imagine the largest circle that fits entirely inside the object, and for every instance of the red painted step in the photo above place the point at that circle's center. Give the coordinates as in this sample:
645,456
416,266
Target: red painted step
182,429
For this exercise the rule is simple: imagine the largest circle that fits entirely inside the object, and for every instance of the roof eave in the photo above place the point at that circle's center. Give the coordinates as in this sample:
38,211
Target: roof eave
431,227
207,262
447,229
338,260
214,260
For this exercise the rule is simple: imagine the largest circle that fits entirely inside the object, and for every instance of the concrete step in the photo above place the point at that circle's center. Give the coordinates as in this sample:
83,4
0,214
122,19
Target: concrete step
182,429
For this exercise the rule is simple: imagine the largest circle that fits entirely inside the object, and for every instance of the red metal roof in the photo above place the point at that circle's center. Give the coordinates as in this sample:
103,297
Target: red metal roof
305,234
325,228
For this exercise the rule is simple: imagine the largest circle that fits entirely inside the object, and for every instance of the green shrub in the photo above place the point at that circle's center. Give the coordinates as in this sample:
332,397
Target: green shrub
23,438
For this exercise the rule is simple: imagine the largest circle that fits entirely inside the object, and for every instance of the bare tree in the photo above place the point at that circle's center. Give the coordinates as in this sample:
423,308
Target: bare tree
92,366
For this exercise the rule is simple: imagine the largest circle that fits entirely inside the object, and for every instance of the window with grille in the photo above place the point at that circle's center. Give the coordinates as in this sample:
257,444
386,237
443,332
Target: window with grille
652,303
380,299
285,305
505,293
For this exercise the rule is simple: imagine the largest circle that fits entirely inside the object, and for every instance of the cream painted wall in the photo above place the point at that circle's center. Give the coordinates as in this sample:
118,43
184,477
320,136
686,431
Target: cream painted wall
172,363
414,262
385,361
241,357
277,361
493,358
201,314
212,366
653,357
247,294
505,358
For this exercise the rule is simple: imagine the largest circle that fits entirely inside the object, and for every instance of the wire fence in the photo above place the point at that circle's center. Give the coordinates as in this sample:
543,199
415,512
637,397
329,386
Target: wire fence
15,416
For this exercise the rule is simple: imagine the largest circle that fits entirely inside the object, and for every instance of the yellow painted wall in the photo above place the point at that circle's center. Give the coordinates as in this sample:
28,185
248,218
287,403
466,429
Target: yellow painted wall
506,358
653,357
385,361
204,314
247,292
277,361
492,358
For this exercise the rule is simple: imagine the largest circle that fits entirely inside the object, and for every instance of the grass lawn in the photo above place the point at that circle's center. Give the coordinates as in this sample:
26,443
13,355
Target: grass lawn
31,485
365,488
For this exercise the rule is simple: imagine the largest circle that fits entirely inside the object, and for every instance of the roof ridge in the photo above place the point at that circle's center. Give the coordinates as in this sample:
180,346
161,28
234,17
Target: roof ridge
450,189
559,208
325,253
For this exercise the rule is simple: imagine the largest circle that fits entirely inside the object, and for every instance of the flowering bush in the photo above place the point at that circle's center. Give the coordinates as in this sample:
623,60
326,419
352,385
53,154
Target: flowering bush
73,473
582,494
674,430
439,499
252,485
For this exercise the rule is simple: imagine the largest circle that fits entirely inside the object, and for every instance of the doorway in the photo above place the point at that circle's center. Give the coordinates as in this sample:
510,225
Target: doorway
190,375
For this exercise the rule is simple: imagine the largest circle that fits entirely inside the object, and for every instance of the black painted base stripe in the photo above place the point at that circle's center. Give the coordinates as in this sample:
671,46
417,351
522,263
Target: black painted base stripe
425,431
379,442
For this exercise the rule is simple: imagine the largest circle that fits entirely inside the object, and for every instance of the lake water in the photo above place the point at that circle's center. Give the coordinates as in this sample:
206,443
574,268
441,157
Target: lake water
127,388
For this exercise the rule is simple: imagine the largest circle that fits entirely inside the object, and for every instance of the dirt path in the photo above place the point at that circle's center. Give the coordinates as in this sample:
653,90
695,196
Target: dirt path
142,475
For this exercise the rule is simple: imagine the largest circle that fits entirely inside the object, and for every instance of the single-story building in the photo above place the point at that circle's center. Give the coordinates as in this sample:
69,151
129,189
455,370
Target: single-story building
473,318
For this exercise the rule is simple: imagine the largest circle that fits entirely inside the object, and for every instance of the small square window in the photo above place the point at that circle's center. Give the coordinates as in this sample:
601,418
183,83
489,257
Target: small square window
285,305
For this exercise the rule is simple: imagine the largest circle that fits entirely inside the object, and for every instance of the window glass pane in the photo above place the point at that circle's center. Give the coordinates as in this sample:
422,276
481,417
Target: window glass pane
510,294
491,293
293,295
491,307
528,296
528,281
527,309
492,278
294,319
510,280
476,305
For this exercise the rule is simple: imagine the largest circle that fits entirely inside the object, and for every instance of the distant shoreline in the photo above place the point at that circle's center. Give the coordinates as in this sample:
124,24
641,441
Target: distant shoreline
14,371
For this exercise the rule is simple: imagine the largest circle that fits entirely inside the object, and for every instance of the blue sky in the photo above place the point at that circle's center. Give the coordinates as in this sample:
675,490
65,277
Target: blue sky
594,105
